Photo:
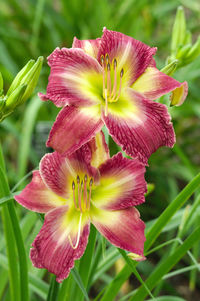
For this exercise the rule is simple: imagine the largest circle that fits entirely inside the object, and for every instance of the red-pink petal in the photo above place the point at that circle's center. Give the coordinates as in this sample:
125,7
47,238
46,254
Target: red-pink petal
68,82
122,184
55,174
153,84
91,47
73,128
52,249
123,228
38,197
132,55
143,132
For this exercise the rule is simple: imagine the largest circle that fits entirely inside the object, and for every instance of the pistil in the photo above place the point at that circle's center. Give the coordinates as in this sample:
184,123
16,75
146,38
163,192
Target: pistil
78,235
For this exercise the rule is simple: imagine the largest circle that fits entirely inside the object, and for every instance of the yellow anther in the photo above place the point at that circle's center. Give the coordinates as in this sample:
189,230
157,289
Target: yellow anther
102,60
107,58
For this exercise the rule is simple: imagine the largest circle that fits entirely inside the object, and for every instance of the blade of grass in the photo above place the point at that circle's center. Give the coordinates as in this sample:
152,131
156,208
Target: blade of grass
135,272
85,262
10,211
78,280
166,265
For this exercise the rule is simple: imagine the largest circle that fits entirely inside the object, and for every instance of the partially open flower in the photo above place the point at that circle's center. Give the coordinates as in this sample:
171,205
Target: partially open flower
74,194
110,81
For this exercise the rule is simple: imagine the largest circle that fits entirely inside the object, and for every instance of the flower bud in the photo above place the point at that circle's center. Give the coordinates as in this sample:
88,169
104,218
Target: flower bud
188,37
182,52
15,98
17,80
170,68
194,51
179,30
31,78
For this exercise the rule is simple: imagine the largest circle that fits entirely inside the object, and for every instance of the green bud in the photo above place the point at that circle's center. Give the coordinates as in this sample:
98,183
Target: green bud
31,79
15,98
17,80
170,68
188,37
182,52
150,188
194,51
179,30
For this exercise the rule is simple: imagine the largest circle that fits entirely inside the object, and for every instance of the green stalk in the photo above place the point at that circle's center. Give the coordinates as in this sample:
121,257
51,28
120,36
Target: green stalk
10,214
165,266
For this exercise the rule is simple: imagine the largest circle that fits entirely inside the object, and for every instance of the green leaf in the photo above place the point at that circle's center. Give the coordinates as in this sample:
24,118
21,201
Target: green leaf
78,280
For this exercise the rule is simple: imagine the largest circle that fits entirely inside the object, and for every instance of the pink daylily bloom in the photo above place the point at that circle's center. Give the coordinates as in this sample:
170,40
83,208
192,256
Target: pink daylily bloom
86,187
110,81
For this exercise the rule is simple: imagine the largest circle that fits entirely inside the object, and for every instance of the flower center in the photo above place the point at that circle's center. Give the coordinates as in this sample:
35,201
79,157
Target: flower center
82,190
110,91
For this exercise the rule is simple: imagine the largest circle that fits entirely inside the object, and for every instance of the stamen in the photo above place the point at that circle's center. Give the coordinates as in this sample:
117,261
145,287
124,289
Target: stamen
115,80
85,191
102,62
108,79
79,196
120,84
90,192
74,197
78,235
107,58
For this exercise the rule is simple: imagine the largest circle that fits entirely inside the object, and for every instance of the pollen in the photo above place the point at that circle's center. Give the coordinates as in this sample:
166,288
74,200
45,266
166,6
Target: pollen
82,191
112,80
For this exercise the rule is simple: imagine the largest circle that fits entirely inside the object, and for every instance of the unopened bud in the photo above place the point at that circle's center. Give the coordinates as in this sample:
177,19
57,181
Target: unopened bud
182,52
31,78
15,98
170,68
188,37
179,30
18,78
194,51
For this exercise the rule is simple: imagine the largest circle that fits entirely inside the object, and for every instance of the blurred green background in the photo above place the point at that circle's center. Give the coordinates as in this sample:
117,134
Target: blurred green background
32,28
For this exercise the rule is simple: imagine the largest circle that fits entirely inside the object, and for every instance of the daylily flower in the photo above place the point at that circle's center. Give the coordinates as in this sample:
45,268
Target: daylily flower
111,80
72,193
